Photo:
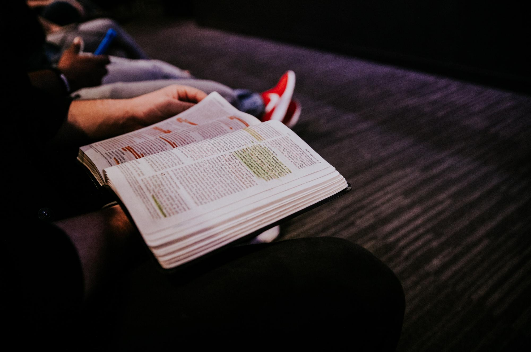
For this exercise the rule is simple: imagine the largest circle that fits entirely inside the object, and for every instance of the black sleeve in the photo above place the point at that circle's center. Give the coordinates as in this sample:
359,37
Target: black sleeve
26,110
41,277
42,283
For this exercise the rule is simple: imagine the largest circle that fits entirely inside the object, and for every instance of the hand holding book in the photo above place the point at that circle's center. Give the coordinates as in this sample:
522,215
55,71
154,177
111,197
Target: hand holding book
90,120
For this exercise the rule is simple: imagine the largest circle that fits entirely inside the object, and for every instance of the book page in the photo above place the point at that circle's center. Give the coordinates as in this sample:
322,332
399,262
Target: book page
196,187
210,118
185,248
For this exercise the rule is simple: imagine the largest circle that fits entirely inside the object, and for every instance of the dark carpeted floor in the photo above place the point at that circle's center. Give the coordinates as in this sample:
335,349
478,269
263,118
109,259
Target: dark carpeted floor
440,171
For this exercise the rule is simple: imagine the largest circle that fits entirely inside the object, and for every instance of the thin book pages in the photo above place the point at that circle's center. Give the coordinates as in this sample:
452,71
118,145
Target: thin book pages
198,197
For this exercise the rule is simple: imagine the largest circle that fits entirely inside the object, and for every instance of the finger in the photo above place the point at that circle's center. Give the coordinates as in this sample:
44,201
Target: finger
177,107
97,60
190,94
102,59
77,45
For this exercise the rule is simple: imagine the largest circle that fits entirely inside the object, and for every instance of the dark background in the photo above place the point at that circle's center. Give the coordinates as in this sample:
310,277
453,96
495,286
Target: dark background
485,41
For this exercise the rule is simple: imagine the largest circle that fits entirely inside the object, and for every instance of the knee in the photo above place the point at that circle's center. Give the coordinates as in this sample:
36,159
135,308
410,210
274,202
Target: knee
380,294
358,292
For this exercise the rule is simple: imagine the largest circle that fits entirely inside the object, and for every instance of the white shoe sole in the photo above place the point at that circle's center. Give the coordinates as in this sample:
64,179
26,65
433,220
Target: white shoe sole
267,236
285,99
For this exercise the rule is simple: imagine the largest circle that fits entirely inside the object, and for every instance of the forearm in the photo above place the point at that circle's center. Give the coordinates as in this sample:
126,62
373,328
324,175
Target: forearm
90,120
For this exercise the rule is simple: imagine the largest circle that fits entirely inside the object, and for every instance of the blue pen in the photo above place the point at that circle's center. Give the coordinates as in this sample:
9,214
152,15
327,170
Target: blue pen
104,45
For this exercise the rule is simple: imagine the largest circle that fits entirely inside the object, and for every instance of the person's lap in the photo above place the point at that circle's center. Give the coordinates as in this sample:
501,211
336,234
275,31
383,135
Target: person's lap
303,292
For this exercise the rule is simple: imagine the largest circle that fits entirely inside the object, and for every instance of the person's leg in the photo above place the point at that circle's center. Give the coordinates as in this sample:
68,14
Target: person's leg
303,293
243,100
125,90
129,78
128,70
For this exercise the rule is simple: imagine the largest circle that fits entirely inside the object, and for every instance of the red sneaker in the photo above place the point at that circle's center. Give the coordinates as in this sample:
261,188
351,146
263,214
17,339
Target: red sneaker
278,98
292,114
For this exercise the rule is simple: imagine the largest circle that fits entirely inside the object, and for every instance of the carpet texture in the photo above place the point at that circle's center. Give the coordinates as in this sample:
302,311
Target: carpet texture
440,171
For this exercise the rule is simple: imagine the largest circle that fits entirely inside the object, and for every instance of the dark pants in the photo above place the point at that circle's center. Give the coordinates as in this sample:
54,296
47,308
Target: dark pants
315,292
304,293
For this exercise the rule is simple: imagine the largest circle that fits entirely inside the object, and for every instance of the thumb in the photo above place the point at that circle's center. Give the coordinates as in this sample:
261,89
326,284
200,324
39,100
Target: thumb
77,45
177,106
171,107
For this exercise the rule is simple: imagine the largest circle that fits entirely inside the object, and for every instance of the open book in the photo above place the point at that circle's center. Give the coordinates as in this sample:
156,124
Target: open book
209,176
